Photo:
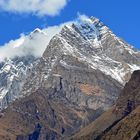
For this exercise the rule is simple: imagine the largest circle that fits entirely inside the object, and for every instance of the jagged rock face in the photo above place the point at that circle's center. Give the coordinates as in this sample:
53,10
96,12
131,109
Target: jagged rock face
13,73
79,83
91,62
93,43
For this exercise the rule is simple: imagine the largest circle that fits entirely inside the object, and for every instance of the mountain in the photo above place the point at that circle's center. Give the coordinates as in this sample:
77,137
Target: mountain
14,68
79,76
120,122
89,61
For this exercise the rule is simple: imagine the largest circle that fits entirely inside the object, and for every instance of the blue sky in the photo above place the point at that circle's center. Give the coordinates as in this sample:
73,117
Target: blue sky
122,16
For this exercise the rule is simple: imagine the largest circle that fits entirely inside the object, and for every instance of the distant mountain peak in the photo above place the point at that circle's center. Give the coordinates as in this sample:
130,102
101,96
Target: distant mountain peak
37,30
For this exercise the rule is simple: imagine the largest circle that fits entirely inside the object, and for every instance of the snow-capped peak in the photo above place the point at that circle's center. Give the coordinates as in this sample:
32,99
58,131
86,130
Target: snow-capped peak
37,30
87,28
89,39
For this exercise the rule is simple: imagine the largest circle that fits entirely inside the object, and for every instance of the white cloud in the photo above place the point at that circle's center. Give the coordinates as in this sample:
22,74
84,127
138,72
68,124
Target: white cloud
36,7
35,43
83,17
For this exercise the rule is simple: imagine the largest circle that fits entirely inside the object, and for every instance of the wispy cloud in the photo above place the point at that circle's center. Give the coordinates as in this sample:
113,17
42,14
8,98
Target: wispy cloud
33,44
36,42
36,7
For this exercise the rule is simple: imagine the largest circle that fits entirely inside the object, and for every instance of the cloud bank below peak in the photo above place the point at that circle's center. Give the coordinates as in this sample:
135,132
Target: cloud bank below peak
34,43
35,7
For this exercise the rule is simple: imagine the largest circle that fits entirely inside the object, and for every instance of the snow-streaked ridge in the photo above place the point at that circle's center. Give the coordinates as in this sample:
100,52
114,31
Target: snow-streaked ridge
92,33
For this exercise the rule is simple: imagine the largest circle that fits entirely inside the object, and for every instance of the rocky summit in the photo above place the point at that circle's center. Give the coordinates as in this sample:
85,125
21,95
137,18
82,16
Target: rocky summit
80,76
